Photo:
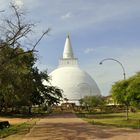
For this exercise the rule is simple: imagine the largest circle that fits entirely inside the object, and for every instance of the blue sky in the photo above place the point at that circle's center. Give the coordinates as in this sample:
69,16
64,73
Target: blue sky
98,29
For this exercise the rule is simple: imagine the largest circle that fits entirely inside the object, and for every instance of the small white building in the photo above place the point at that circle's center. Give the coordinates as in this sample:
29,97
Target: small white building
74,82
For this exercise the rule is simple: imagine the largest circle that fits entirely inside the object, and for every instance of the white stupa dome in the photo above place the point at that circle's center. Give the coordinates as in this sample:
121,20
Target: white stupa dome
74,82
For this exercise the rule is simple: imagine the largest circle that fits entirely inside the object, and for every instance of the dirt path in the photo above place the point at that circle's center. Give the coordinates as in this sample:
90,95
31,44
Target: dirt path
67,126
14,120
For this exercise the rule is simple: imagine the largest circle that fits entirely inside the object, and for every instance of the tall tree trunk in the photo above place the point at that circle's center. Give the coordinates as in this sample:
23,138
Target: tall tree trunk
1,107
29,111
126,112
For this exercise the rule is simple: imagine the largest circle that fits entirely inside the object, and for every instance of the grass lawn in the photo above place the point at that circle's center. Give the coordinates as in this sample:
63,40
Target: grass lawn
19,128
113,119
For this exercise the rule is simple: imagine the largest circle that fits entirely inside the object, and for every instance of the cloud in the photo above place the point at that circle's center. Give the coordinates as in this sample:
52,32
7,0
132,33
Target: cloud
94,14
88,50
66,16
18,3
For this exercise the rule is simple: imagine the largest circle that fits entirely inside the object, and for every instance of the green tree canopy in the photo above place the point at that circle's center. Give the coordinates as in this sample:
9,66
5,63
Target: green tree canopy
21,83
127,92
134,90
119,92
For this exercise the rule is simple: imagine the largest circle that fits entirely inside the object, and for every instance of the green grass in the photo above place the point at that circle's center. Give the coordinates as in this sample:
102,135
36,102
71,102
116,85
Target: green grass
113,119
21,128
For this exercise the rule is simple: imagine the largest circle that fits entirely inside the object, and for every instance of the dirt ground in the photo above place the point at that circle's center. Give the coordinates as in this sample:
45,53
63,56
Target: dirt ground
66,126
14,120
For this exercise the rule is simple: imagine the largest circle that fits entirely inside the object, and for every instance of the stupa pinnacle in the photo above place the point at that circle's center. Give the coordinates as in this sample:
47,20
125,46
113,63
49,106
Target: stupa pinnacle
68,52
68,55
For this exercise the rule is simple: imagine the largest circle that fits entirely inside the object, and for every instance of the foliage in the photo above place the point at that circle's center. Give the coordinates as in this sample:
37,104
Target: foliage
134,90
127,92
119,92
90,102
21,83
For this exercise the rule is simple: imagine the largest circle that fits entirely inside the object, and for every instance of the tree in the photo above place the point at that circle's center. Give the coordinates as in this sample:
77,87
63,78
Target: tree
14,31
91,102
20,81
21,84
127,92
120,94
44,94
134,90
12,73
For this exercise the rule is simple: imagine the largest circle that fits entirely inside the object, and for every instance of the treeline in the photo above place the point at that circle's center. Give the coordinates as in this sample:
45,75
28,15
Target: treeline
21,83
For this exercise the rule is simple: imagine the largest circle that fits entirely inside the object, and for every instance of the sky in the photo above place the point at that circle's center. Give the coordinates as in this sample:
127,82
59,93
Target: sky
98,29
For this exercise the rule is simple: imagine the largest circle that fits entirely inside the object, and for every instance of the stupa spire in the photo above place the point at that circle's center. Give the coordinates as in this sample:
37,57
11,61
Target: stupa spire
68,52
68,57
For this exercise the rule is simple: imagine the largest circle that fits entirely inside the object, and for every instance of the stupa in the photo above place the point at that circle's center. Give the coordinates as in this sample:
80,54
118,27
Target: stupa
69,77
